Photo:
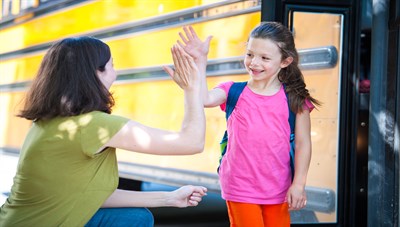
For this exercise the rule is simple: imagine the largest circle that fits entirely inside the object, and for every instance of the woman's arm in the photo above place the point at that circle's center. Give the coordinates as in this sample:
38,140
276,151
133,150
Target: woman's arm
190,139
182,197
296,195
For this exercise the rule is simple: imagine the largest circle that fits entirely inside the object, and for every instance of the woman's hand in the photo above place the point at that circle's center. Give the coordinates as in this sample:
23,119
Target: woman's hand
187,196
186,73
193,45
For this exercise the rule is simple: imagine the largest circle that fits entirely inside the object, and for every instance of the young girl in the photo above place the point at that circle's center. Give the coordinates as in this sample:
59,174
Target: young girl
255,173
67,173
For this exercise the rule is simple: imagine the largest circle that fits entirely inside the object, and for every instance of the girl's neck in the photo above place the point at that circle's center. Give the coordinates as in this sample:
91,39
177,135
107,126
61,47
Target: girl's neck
263,87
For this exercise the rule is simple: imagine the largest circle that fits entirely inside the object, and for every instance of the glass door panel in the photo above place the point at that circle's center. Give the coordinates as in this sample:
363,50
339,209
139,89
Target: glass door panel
318,38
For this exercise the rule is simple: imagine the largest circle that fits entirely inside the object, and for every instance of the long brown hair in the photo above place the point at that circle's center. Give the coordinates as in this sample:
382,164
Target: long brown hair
291,75
67,83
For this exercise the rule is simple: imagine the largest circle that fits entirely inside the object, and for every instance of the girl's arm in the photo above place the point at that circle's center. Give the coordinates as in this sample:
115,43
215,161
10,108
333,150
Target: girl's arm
182,197
296,195
190,139
198,50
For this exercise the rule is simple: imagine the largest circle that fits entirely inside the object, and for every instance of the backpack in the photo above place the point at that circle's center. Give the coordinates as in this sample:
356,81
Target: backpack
233,96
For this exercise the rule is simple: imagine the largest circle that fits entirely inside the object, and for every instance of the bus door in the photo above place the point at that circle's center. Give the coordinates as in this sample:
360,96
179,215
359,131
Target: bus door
326,35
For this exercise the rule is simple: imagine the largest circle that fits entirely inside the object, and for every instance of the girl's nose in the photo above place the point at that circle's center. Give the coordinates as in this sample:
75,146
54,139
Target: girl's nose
254,61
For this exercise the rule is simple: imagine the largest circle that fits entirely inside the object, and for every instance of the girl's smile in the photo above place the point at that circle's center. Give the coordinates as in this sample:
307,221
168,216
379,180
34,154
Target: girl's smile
263,59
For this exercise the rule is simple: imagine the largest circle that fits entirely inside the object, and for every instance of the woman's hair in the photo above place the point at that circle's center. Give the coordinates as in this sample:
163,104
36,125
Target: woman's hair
67,83
291,75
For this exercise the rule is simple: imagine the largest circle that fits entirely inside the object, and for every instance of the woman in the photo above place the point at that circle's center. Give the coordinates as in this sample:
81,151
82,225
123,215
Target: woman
67,173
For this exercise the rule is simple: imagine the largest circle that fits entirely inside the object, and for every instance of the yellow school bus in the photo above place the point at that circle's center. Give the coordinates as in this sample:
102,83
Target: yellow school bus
140,34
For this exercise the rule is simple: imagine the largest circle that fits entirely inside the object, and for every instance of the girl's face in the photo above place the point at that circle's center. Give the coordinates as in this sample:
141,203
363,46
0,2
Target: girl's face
108,76
263,59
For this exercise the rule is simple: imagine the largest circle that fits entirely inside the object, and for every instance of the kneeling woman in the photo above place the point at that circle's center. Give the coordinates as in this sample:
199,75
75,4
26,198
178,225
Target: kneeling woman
67,173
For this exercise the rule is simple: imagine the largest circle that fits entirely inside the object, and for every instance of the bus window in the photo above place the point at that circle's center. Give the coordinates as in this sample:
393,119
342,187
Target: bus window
26,4
313,31
6,8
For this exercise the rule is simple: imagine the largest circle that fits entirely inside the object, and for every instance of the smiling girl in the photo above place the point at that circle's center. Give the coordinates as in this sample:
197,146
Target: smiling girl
255,173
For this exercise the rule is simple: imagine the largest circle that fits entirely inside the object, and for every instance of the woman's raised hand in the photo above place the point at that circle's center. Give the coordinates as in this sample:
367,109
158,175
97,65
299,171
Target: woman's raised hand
186,73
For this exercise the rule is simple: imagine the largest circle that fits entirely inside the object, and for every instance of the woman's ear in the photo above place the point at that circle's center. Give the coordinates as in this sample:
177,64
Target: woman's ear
99,73
287,61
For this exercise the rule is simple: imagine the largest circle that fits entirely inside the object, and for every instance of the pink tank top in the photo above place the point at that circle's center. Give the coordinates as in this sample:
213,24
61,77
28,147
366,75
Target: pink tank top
255,168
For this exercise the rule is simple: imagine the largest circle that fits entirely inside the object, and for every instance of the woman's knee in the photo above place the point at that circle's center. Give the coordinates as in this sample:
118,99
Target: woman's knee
122,217
145,216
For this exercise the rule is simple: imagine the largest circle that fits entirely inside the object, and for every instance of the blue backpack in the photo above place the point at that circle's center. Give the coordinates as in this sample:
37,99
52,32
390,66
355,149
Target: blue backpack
233,96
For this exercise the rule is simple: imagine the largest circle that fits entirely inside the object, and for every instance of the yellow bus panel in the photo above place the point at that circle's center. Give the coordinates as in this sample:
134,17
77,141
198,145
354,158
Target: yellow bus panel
153,48
146,49
13,129
87,17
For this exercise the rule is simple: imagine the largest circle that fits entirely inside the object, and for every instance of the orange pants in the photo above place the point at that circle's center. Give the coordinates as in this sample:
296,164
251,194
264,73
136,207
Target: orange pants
255,215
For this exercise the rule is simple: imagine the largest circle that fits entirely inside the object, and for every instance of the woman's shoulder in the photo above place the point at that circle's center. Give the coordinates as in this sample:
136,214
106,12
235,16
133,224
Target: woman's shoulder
88,119
101,116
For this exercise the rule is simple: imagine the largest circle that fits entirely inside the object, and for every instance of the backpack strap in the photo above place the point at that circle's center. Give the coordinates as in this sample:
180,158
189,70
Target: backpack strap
233,95
292,123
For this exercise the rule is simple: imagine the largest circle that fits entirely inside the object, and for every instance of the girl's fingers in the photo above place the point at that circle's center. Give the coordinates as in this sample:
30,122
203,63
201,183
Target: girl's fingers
289,201
174,57
208,40
188,33
193,32
180,44
297,204
183,37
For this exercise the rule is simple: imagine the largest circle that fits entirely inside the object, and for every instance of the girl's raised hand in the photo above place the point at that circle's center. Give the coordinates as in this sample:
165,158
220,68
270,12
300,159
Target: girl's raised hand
192,43
186,72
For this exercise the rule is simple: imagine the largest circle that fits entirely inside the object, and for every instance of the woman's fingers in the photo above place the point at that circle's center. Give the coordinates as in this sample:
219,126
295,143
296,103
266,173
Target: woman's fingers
168,70
185,68
182,65
197,195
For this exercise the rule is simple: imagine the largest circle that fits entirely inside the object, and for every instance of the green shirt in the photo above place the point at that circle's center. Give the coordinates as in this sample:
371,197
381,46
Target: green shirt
61,180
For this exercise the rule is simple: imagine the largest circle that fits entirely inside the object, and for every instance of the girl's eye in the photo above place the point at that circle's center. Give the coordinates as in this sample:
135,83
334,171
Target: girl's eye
249,55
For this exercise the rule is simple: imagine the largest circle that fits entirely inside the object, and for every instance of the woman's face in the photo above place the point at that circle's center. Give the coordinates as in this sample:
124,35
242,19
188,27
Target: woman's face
108,76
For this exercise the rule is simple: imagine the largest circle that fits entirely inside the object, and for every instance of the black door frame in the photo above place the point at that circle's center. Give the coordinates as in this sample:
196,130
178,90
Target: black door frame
383,137
348,117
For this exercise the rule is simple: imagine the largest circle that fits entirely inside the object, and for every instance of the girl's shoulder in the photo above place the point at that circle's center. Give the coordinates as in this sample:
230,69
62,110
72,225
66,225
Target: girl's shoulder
225,86
308,105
